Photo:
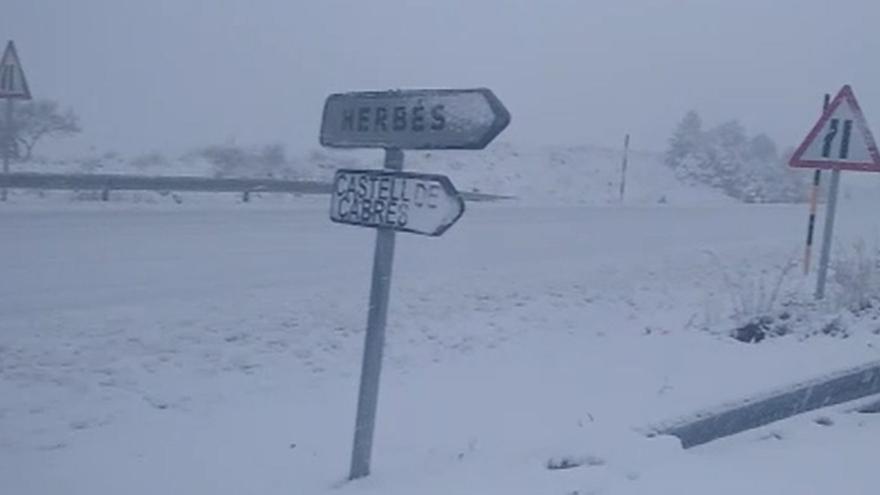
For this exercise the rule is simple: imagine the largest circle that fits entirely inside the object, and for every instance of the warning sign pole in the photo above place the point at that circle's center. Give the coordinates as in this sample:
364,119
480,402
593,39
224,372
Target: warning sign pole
814,200
830,211
8,142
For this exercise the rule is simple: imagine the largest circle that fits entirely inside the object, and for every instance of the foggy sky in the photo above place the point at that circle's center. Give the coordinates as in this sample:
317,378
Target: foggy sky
174,74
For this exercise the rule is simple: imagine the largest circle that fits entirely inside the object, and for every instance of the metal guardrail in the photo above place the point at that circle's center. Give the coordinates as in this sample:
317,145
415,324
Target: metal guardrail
836,388
122,182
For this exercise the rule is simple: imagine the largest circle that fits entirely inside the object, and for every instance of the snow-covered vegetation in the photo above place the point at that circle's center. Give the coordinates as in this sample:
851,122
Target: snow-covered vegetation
725,157
775,300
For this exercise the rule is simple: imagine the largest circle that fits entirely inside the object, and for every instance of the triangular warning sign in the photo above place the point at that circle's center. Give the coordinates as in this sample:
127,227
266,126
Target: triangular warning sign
841,139
12,81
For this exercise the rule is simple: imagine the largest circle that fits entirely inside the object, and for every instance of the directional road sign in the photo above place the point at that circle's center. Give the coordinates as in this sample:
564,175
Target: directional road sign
425,204
12,81
840,139
392,200
413,119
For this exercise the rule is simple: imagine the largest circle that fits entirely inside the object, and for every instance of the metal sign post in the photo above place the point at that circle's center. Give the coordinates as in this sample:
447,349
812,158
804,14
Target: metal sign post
393,201
840,140
374,343
13,85
830,212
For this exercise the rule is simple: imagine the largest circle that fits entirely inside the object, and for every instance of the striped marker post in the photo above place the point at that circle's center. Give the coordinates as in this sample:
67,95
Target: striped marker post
814,200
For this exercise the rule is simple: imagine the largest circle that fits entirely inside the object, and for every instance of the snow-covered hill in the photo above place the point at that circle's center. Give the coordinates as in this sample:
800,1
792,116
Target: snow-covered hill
564,175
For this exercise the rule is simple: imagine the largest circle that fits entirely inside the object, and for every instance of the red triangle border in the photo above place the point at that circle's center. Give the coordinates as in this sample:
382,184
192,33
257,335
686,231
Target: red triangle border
845,94
25,93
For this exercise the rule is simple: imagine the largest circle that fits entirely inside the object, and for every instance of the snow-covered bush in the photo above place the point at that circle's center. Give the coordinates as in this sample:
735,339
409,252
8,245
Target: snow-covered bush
229,160
856,277
772,302
149,161
756,294
757,299
725,157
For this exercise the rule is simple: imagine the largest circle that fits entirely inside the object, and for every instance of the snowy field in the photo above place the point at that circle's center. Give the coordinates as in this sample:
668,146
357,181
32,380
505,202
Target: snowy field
215,348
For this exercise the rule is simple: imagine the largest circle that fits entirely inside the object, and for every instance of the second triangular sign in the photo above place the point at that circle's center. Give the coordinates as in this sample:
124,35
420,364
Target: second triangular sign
841,139
12,81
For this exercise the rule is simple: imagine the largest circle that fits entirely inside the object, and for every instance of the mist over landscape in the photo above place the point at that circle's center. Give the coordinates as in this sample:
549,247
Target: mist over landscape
469,247
174,74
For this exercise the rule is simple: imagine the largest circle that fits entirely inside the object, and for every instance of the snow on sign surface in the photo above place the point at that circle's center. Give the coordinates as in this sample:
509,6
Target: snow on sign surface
840,139
409,202
12,81
413,119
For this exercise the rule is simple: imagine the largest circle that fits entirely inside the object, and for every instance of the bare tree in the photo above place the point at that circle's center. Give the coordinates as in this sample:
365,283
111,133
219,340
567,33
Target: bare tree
38,119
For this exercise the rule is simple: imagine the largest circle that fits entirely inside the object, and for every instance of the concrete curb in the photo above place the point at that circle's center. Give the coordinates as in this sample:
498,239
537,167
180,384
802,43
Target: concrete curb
732,418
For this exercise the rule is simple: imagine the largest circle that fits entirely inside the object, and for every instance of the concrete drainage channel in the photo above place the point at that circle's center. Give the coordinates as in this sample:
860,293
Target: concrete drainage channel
730,419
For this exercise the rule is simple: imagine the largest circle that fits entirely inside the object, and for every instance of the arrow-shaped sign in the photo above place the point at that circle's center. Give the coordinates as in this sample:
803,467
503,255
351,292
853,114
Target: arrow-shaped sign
413,119
403,201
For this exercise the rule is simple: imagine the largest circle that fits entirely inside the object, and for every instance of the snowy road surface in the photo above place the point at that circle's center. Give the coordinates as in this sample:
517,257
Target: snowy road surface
215,349
98,257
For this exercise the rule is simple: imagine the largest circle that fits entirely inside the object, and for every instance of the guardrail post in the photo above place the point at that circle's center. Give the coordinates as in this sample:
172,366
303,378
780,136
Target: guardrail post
246,197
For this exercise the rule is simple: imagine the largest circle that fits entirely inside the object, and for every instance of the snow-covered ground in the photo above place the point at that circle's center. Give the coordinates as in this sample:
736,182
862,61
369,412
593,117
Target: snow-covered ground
214,347
822,452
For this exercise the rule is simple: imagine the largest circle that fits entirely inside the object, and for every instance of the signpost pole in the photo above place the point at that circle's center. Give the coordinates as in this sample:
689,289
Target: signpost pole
8,143
830,211
375,340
